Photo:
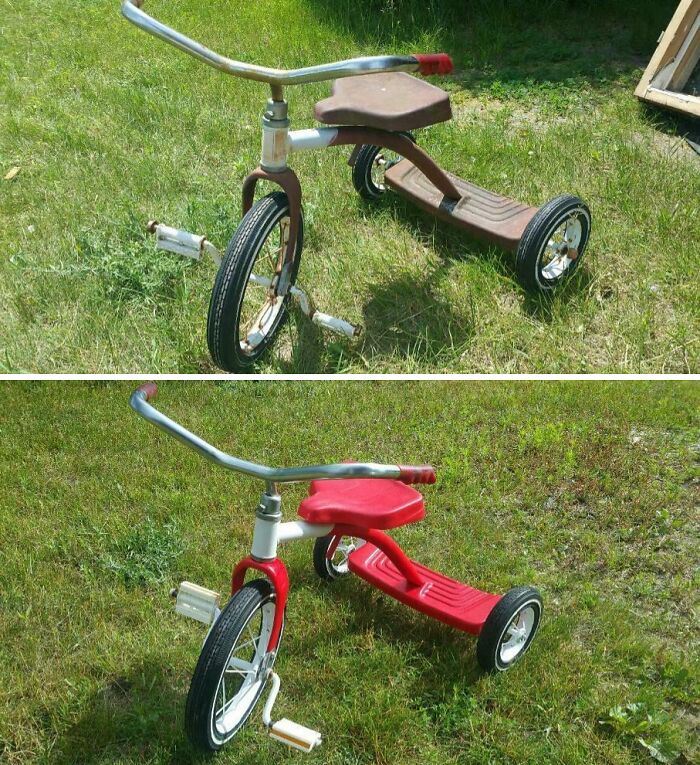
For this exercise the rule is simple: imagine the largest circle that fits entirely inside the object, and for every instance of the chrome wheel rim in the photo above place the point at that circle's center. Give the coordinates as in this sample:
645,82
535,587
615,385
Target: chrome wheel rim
562,248
244,674
261,306
382,162
338,563
517,634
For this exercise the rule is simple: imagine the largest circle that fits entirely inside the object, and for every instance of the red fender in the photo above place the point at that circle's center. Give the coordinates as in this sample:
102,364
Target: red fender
276,572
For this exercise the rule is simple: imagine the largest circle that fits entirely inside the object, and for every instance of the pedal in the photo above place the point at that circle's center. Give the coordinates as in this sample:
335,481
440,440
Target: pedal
182,242
295,735
288,732
338,326
197,603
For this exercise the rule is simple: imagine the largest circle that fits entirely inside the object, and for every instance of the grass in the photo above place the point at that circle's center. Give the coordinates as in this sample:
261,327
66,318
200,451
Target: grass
110,127
588,491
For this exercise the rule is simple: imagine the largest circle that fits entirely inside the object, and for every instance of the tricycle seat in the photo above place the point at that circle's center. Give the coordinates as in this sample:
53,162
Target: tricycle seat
389,101
371,503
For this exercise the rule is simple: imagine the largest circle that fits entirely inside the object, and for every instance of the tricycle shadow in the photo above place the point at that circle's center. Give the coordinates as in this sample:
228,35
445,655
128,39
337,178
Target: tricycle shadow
136,714
444,656
408,316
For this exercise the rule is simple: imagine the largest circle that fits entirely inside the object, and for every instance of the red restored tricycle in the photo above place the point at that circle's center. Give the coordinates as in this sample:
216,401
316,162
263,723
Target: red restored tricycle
374,106
347,511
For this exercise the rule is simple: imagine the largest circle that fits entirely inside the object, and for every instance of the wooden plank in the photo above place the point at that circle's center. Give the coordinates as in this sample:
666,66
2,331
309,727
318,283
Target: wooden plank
687,57
673,61
682,102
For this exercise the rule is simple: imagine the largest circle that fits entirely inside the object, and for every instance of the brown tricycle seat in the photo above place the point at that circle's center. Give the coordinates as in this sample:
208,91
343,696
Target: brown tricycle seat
388,101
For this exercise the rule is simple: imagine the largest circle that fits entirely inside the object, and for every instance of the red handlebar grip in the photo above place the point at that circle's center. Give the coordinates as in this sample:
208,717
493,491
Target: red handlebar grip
417,474
149,389
433,63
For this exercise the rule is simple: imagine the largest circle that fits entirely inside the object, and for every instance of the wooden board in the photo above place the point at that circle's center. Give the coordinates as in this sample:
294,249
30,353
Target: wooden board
673,61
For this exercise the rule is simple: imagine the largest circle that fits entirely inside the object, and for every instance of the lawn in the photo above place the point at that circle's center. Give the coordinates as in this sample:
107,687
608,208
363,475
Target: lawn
110,127
589,491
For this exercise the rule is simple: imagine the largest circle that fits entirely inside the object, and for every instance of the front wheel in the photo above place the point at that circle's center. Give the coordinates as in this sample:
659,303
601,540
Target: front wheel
553,244
233,667
509,629
245,312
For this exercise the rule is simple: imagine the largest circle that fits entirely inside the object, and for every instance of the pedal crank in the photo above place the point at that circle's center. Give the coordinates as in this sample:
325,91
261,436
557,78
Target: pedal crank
339,326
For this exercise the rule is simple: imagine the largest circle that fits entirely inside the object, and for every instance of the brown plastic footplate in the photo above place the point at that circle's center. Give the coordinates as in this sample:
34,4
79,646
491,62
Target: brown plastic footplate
481,212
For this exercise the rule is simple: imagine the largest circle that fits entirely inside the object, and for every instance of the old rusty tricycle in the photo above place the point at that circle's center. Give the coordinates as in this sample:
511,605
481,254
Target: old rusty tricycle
374,106
347,511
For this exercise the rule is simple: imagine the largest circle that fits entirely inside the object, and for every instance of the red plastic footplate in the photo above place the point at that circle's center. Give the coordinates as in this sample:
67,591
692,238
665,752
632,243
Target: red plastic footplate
439,596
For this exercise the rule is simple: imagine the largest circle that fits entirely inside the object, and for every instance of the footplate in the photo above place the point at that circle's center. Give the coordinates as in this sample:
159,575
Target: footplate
443,598
481,212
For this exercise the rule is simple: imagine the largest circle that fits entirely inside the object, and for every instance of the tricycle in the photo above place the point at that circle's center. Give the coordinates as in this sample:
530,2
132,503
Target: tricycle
348,510
375,105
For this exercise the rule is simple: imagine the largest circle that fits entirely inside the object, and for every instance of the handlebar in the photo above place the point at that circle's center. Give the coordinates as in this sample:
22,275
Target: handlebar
144,394
435,63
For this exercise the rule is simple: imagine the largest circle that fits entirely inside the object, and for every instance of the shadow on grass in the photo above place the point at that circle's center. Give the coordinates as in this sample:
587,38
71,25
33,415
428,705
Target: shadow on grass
136,714
503,40
670,122
447,656
407,316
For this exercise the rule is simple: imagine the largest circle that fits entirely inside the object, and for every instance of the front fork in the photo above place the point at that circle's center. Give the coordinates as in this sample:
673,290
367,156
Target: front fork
276,572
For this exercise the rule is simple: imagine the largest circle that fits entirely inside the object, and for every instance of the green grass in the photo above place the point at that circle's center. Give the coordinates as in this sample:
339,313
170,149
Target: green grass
111,127
588,491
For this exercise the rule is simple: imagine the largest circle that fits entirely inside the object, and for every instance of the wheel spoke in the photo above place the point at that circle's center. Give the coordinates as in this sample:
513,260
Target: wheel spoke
223,694
252,636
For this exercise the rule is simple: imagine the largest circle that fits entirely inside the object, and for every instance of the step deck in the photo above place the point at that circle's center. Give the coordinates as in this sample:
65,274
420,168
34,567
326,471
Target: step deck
481,212
439,596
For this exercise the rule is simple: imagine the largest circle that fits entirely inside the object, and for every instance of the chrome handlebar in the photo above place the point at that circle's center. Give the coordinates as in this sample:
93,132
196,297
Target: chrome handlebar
139,403
131,9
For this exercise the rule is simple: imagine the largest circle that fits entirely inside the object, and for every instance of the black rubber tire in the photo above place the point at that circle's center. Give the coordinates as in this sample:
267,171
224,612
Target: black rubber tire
322,566
362,170
489,643
536,235
232,280
214,657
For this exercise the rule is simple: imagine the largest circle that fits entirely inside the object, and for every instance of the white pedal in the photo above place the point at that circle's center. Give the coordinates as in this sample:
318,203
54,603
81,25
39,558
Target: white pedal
197,602
182,242
288,732
295,735
340,326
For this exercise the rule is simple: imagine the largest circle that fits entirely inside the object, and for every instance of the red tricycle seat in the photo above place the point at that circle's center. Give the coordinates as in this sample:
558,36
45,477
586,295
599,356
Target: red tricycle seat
371,503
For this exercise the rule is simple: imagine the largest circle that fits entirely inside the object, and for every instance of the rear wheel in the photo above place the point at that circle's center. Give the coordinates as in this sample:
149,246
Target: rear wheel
509,629
553,244
232,669
337,565
245,313
370,165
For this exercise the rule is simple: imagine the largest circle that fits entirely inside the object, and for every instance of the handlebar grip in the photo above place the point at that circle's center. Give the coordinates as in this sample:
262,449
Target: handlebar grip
433,63
150,390
417,474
